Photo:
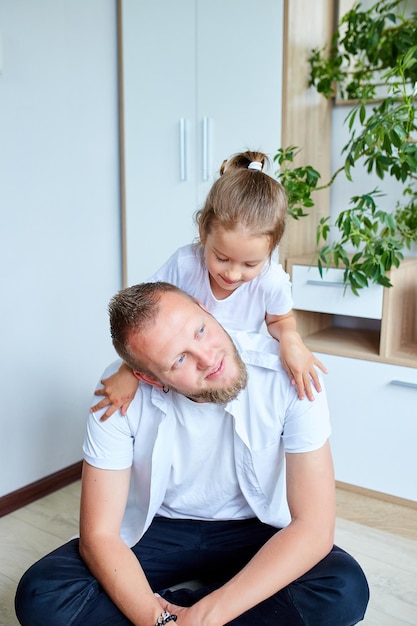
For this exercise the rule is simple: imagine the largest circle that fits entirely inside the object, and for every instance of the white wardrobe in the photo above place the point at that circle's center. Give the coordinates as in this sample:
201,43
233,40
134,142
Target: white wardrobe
200,80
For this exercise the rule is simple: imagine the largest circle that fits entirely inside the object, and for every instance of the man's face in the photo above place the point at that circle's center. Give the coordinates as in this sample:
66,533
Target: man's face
188,351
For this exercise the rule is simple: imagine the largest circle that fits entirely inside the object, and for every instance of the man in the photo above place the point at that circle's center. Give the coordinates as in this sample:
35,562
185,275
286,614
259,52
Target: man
218,472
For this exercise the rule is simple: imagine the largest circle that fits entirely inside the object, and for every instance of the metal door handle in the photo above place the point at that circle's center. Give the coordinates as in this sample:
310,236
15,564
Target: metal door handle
403,383
183,149
206,147
324,283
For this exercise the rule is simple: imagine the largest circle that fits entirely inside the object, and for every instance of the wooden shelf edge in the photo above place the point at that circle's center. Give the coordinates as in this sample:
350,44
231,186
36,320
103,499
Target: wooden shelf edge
358,345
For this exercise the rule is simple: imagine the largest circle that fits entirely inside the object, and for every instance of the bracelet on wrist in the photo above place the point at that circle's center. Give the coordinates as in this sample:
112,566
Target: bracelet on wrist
165,617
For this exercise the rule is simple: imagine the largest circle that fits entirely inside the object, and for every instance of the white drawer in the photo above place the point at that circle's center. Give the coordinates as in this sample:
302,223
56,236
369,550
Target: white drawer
328,294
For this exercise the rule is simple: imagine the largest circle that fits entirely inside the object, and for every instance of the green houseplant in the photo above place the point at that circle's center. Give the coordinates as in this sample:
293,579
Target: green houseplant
372,63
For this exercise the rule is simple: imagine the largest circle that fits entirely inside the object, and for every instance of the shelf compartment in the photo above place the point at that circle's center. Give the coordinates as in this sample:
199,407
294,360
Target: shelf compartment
380,324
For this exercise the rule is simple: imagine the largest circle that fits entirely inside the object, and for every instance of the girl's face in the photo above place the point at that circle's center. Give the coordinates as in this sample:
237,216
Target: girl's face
234,257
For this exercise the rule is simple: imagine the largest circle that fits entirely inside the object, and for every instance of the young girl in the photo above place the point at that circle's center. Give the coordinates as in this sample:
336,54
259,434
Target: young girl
231,271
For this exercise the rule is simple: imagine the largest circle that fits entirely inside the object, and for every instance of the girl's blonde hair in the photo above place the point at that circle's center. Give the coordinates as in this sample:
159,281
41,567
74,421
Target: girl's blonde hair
245,197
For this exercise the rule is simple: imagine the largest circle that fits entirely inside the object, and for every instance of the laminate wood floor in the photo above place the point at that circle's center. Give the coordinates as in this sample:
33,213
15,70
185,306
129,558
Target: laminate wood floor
384,515
381,536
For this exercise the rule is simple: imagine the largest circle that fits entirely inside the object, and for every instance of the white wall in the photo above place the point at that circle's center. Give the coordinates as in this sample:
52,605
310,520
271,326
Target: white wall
60,258
342,189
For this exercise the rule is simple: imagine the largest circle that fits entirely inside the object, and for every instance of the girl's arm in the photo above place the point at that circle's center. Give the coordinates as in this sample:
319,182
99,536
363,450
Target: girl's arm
296,358
119,390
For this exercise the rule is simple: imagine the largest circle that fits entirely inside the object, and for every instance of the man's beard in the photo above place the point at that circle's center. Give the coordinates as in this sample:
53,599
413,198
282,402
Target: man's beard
222,396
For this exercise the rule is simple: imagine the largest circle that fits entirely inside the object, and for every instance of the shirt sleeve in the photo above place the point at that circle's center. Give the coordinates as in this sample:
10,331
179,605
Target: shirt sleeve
307,423
278,296
108,444
168,272
186,270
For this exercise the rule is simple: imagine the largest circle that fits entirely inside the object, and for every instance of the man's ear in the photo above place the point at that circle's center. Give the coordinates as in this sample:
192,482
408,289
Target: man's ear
148,379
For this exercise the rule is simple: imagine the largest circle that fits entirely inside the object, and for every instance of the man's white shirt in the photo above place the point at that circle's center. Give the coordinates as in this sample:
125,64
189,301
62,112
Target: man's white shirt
263,423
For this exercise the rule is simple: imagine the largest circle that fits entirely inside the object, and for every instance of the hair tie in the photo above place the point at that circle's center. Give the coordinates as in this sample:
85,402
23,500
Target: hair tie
255,165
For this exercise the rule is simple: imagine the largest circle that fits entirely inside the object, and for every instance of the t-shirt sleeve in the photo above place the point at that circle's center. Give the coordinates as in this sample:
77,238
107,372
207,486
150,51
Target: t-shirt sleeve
307,423
168,272
278,300
182,269
108,444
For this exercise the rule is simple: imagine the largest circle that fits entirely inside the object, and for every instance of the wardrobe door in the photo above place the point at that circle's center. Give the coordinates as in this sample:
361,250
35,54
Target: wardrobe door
158,113
239,81
201,81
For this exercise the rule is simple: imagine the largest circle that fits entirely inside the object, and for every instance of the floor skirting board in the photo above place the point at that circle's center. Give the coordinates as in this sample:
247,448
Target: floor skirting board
386,497
43,487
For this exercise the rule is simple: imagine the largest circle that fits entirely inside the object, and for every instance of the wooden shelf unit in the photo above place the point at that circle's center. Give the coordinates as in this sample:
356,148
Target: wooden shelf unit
393,337
371,394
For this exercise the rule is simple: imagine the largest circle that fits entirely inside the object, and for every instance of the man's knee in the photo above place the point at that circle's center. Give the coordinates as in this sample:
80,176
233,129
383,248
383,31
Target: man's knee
348,588
355,589
54,589
334,592
28,599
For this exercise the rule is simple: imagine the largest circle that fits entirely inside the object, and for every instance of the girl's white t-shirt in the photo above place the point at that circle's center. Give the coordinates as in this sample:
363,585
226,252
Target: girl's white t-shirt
246,307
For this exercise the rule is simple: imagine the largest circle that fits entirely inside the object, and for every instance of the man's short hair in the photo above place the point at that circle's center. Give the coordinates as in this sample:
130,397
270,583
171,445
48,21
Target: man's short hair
134,309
